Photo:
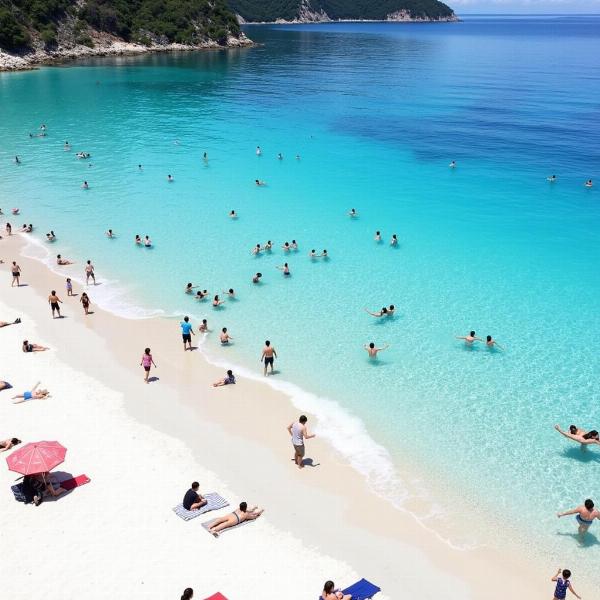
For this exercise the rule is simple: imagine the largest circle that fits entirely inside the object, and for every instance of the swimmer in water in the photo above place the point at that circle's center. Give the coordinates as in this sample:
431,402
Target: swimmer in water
589,183
585,438
233,215
170,178
312,254
256,278
189,287
217,302
452,164
85,185
17,160
377,237
258,151
139,167
256,250
297,157
138,240
372,350
63,261
394,240
469,339
353,213
201,295
551,179
286,247
280,156
259,182
381,313
491,343
50,236
268,246
224,336
147,242
15,211
203,328
294,245
230,292
285,269
110,233
205,157
67,147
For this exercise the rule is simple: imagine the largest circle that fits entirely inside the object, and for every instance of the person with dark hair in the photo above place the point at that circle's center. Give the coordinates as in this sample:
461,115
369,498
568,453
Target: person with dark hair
89,273
8,444
380,313
147,362
16,274
585,516
299,433
490,342
268,356
225,337
373,350
469,339
187,331
188,594
330,593
229,379
256,278
563,584
85,302
6,324
580,435
192,499
235,518
54,301
27,347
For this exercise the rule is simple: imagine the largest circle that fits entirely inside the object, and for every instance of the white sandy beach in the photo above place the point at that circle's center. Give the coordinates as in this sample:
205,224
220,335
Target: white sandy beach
142,445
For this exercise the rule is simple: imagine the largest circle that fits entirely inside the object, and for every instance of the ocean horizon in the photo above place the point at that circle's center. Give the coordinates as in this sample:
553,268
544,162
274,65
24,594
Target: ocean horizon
375,113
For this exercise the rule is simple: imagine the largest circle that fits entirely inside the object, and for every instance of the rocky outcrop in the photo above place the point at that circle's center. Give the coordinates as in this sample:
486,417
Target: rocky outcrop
405,16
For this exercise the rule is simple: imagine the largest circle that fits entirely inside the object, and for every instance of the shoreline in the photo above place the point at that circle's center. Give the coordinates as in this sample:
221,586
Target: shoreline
453,19
34,60
377,530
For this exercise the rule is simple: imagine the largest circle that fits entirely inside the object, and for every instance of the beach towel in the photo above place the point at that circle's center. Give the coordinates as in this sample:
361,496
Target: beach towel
214,502
21,494
209,523
217,596
71,484
362,590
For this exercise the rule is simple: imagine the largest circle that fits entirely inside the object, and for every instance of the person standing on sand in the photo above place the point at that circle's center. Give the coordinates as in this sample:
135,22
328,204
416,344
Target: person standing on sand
268,356
16,274
147,362
89,272
53,301
85,302
186,333
299,433
585,516
563,584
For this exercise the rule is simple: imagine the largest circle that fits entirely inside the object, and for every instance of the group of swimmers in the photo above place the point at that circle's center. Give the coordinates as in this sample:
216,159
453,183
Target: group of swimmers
471,338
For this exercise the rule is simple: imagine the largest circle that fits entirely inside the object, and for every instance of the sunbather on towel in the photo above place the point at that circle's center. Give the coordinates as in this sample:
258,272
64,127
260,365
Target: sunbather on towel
8,444
192,499
235,518
329,593
42,485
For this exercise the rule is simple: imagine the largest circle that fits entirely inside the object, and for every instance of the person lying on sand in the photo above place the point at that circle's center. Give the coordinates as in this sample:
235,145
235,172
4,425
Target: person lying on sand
192,499
228,380
34,394
580,435
330,593
235,518
27,347
42,485
63,261
6,323
8,444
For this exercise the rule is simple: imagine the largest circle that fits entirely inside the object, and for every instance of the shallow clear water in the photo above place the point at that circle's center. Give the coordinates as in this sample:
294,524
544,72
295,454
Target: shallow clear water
376,112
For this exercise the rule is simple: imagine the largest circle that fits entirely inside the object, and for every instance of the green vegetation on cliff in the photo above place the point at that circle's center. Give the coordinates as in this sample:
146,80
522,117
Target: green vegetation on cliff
271,10
181,21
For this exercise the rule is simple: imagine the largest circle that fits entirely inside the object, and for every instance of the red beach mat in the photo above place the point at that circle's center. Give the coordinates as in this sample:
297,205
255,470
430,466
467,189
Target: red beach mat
217,596
71,484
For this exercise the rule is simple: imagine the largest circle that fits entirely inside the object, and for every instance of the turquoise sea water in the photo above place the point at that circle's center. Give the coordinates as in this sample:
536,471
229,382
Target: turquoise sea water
376,112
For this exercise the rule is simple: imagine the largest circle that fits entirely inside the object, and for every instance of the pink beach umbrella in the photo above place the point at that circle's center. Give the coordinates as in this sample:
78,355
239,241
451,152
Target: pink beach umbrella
36,457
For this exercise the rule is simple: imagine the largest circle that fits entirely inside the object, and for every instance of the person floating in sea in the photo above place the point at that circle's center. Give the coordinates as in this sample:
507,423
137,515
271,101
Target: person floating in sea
394,240
585,515
268,246
189,287
280,156
294,245
563,584
256,278
551,179
384,312
491,343
85,185
170,178
372,350
147,242
258,151
205,157
89,273
187,332
110,234
217,301
312,254
203,327
286,247
297,157
138,240
233,215
63,261
377,237
67,147
285,269
469,339
589,183
585,438
17,160
140,167
201,294
230,292
224,337
259,182
353,214
51,237
452,164
268,357
256,250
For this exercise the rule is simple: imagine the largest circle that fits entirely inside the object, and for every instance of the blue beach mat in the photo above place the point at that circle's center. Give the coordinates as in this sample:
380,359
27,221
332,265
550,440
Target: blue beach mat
361,590
214,502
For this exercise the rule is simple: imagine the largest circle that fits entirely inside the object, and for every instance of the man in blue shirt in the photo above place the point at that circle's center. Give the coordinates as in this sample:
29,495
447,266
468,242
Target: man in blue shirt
186,332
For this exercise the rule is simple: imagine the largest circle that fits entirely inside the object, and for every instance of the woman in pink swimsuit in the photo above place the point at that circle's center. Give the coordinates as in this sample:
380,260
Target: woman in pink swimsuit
147,362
